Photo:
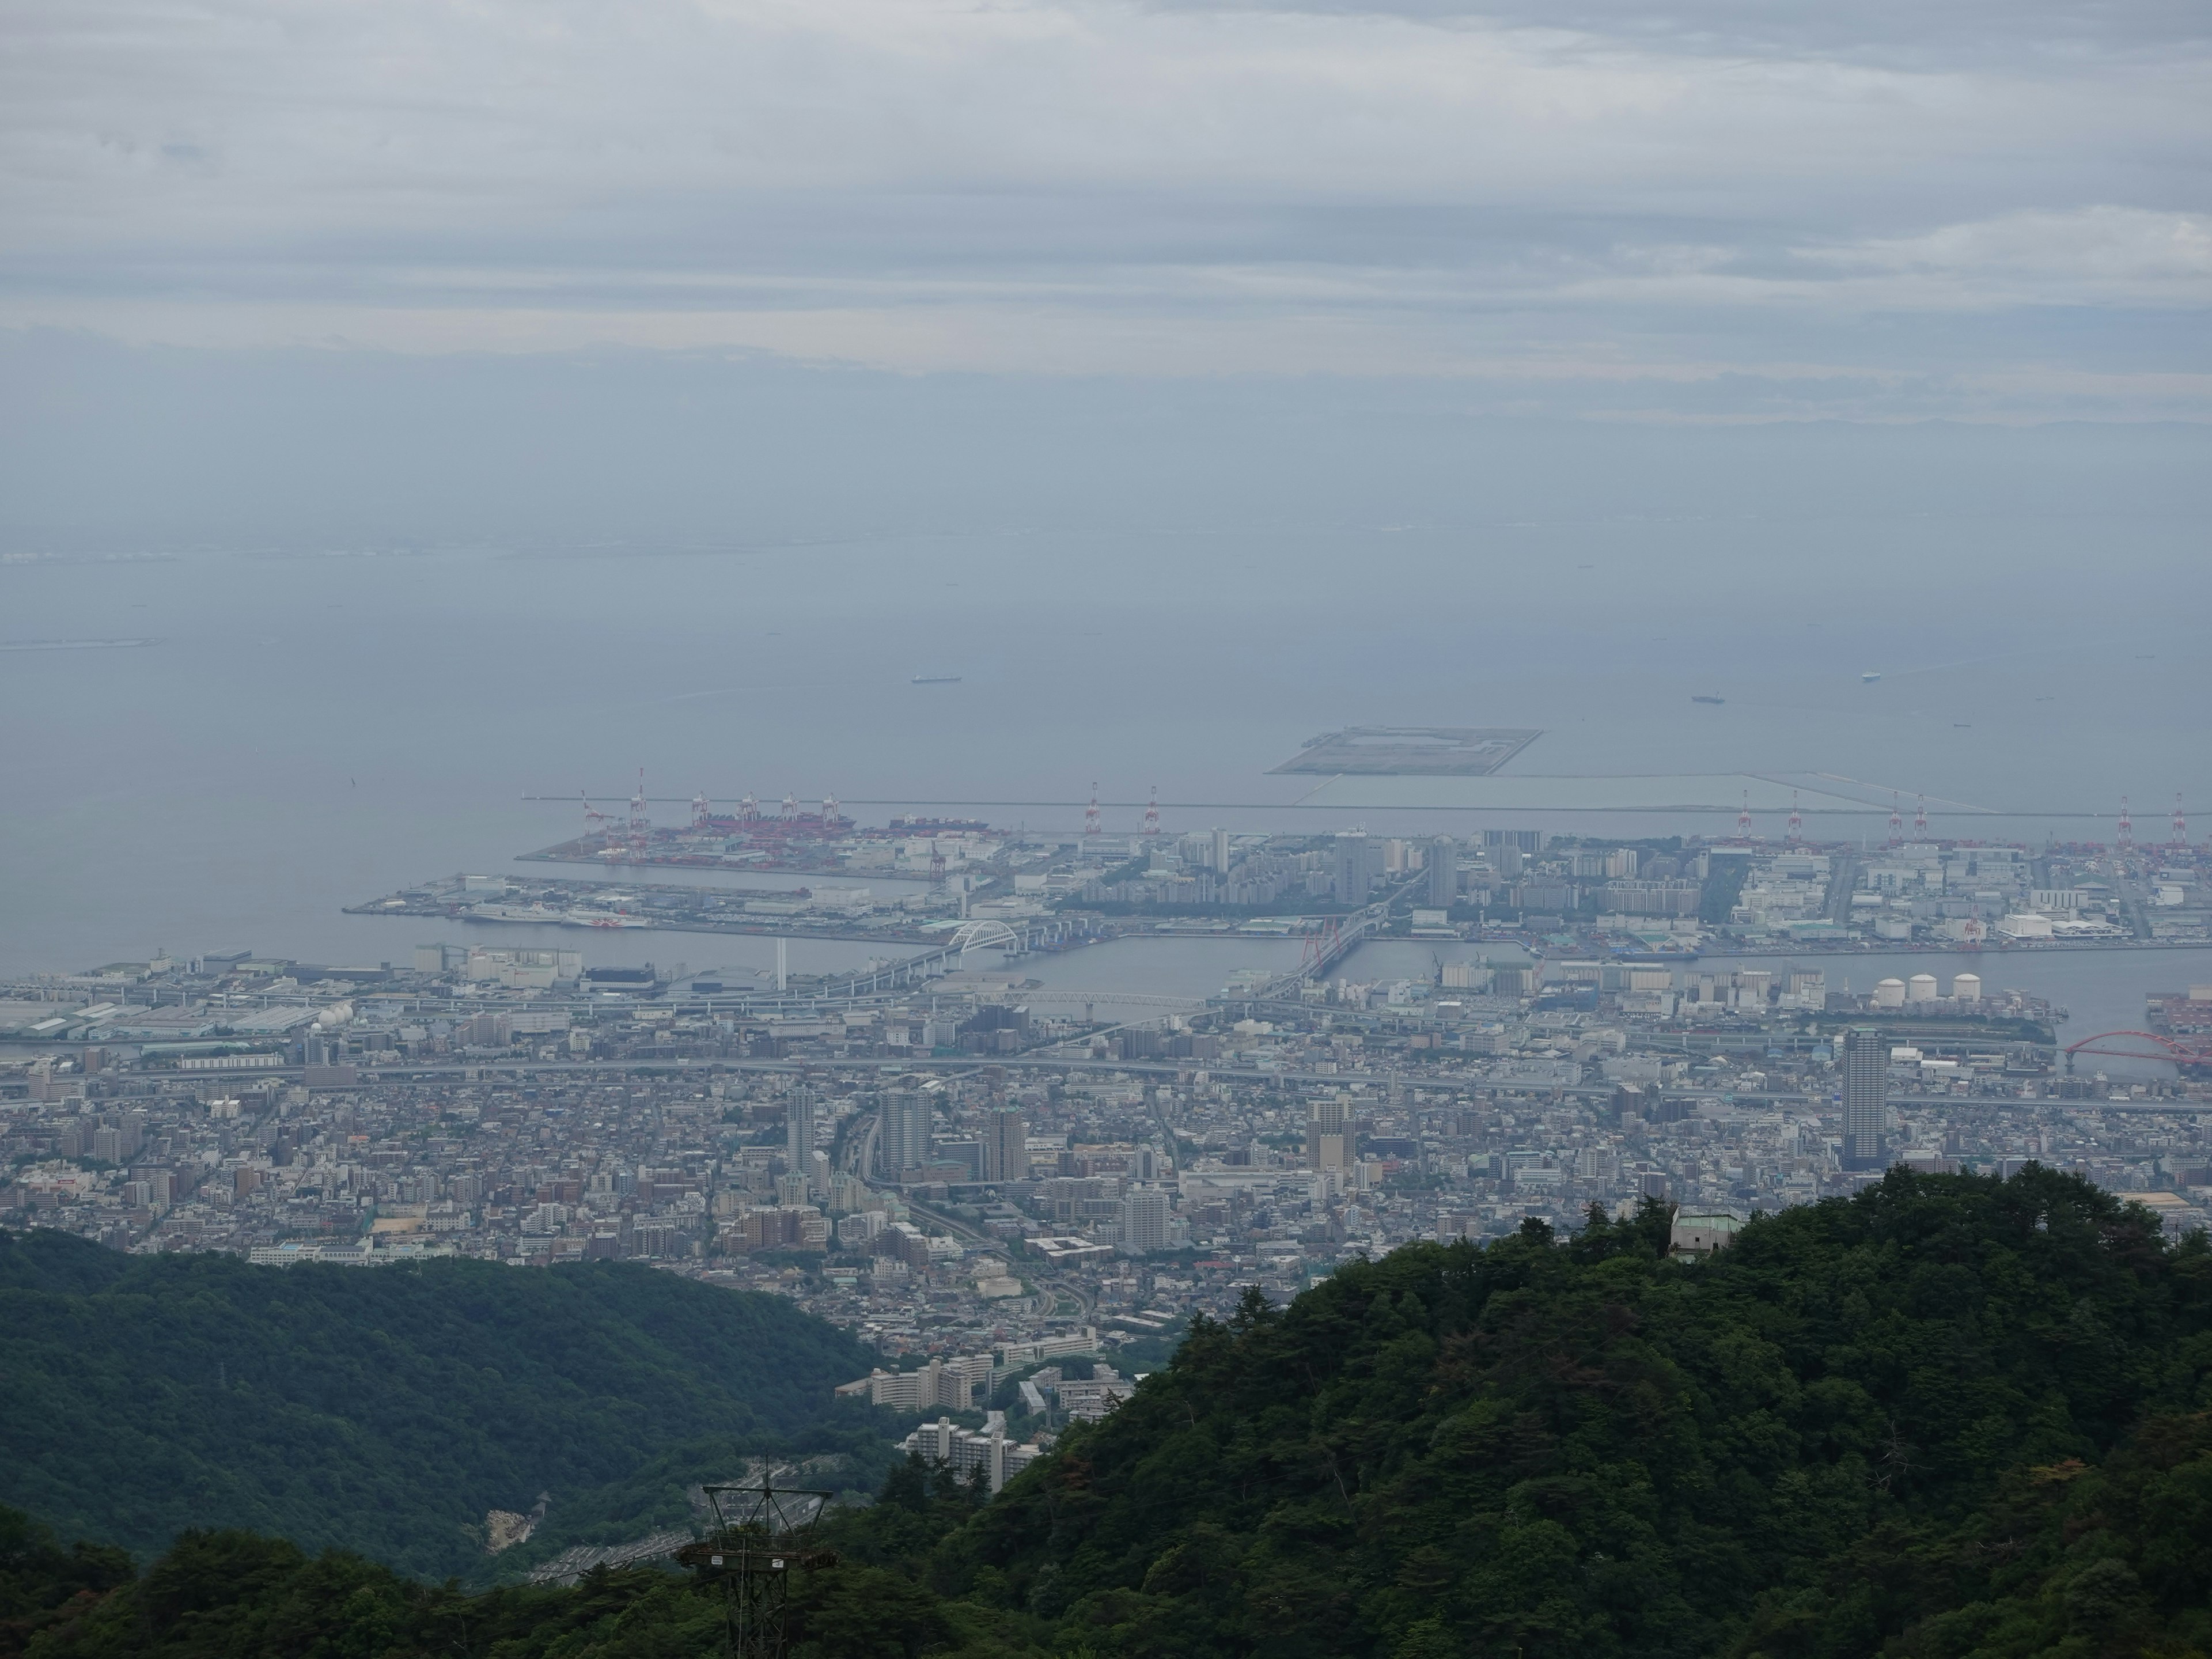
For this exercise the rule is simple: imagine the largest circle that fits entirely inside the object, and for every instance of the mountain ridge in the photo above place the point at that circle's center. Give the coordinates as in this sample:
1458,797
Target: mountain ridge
1949,1418
384,1410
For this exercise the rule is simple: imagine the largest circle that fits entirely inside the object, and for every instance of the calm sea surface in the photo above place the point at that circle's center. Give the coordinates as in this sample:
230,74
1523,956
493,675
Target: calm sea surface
315,728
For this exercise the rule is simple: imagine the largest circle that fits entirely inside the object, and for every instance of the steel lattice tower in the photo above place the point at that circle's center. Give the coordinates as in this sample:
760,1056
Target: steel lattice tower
763,1534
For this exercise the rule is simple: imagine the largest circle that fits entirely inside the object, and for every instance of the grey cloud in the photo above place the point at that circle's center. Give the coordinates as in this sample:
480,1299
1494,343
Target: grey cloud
1893,33
105,448
1599,196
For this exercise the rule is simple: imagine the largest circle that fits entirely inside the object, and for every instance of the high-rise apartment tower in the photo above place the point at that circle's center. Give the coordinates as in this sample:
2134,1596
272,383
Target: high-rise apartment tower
902,1132
1442,872
1866,1098
1145,1219
1005,1145
1327,1134
798,1131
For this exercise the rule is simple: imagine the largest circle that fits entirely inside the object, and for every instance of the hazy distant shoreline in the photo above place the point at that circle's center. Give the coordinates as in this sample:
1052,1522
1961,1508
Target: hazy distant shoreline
72,645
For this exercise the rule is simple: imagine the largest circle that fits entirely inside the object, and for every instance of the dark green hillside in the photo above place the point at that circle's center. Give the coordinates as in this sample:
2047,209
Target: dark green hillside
2065,1561
1949,1419
1581,1448
383,1410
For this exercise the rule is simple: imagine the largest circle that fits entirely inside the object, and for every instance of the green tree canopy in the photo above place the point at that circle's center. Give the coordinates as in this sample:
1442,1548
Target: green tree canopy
383,1410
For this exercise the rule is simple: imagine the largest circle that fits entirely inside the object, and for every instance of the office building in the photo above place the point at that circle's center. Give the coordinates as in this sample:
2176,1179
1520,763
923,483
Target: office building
1221,852
1005,1145
1866,1097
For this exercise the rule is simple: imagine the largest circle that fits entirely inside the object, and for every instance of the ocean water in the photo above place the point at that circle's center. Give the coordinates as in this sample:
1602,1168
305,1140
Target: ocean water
315,726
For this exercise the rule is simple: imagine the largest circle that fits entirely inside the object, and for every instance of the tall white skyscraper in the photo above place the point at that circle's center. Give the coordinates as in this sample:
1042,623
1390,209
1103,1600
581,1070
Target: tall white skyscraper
1145,1219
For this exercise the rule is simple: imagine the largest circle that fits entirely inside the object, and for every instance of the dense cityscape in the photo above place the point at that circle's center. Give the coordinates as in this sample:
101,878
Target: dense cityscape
918,881
1095,831
959,1167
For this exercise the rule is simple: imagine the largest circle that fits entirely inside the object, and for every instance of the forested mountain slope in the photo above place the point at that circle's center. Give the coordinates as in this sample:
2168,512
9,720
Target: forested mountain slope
381,1409
1582,1448
1948,1418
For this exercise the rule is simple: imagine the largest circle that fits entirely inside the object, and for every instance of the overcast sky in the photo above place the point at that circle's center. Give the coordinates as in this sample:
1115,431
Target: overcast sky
1715,210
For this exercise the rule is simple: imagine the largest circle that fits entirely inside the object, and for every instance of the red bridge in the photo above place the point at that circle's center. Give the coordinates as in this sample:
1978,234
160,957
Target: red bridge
2185,1052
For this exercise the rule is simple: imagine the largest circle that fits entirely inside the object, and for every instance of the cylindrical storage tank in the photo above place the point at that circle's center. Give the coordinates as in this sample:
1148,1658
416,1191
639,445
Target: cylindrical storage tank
1889,994
1921,987
1967,987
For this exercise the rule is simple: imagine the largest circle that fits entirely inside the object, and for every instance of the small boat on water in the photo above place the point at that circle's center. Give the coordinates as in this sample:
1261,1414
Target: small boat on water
935,679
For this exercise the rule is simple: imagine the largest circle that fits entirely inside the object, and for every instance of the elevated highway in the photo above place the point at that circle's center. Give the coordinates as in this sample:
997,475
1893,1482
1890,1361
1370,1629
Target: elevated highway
1015,936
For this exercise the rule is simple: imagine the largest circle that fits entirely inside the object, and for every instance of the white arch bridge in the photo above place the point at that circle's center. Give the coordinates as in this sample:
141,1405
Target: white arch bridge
983,934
